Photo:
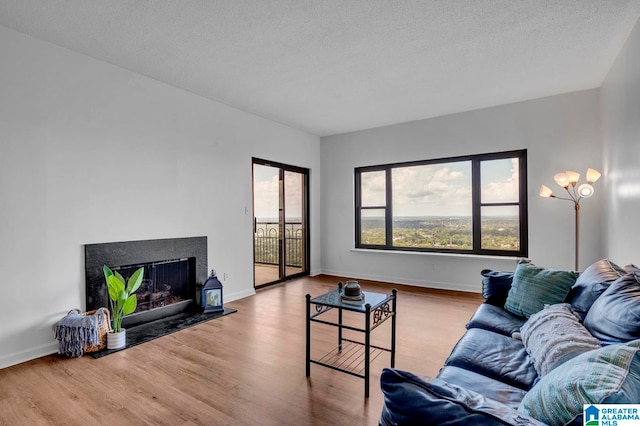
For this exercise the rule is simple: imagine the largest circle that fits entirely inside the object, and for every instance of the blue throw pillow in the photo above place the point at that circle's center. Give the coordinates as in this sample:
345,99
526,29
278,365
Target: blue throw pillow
609,375
615,316
410,400
591,283
533,287
495,286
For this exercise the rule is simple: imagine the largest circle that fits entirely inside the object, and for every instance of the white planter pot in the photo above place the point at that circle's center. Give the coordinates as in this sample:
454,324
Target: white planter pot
117,340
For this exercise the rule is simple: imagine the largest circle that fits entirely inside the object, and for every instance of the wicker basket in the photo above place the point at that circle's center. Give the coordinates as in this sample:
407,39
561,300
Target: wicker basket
104,327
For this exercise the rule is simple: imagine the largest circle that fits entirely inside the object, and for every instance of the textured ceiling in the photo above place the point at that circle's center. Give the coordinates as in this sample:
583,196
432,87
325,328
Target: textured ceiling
328,66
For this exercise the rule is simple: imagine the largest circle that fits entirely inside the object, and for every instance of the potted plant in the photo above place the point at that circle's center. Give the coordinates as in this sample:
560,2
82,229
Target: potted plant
123,302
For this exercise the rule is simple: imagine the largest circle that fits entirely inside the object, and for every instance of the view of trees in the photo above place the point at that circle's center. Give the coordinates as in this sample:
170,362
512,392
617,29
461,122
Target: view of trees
500,233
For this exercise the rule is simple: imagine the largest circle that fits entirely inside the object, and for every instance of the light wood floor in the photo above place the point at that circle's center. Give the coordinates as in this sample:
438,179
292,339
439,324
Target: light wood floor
247,368
270,273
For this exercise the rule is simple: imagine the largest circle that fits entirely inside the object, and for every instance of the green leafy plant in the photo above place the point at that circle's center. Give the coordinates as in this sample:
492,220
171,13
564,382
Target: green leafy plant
122,300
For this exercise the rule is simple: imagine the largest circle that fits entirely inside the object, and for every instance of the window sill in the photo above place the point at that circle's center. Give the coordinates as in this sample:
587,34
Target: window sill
430,253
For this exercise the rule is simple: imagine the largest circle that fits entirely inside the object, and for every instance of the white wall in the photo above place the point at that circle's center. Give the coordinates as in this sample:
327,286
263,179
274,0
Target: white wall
620,94
93,153
560,133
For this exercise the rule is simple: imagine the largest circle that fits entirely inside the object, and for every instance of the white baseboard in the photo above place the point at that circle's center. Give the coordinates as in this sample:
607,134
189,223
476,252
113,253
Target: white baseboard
239,295
406,281
28,354
315,272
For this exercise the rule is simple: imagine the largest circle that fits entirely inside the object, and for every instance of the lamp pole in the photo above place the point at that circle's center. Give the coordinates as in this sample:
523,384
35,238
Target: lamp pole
568,180
577,204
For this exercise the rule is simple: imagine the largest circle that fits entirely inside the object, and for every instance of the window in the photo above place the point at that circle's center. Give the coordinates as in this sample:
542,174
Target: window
473,204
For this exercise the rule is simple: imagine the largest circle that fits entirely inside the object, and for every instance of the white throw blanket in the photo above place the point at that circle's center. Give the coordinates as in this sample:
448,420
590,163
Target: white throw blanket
554,335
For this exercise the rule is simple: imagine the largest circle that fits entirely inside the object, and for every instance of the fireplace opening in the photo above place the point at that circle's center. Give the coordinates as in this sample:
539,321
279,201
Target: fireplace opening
168,284
165,282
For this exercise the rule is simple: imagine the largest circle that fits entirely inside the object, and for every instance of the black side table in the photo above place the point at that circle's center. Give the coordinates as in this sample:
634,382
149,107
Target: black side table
351,356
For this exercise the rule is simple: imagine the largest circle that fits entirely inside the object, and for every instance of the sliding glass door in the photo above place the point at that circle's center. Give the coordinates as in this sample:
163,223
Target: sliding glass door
280,231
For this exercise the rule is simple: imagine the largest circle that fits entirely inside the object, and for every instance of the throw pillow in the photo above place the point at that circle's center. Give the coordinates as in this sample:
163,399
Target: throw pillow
554,335
410,400
609,375
495,286
591,283
615,316
533,287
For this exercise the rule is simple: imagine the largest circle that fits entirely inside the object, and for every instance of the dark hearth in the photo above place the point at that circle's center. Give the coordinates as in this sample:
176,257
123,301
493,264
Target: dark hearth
152,330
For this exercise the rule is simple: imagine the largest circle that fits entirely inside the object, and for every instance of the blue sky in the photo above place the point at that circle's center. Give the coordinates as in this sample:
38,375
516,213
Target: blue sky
429,190
266,193
443,189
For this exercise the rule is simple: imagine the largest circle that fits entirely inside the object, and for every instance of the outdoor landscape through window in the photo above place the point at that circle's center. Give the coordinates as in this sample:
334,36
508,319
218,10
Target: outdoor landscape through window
430,205
498,233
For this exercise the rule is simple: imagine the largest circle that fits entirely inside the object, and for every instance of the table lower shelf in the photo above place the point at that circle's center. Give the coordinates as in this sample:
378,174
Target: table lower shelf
349,357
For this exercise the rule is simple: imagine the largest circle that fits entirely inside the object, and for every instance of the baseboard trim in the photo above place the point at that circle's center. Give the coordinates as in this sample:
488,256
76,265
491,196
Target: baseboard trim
239,295
28,354
406,281
315,272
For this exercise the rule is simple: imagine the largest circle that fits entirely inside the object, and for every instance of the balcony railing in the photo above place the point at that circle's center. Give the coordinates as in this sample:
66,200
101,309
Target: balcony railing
266,245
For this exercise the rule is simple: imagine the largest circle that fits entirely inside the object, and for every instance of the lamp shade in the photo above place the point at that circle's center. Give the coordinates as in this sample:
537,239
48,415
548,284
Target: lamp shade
593,175
585,190
562,179
573,177
545,191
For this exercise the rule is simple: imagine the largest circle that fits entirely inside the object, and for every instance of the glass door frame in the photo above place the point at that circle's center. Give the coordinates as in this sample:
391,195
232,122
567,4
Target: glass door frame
282,247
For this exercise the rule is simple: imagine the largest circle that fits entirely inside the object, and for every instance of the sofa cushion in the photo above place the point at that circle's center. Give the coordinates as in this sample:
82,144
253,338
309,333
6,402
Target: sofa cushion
496,319
534,286
592,283
493,355
609,375
493,389
554,335
615,316
495,286
410,400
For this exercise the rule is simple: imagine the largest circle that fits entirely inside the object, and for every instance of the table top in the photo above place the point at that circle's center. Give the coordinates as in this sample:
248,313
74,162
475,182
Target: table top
334,299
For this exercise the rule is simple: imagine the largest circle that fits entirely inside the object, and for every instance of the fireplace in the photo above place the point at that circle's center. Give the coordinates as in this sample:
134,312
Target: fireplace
174,270
165,282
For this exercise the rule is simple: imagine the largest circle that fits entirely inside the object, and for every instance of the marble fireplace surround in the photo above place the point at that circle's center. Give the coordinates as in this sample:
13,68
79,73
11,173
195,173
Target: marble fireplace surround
145,251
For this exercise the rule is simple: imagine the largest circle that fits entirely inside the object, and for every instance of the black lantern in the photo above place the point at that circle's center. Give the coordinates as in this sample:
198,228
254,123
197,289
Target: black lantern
211,299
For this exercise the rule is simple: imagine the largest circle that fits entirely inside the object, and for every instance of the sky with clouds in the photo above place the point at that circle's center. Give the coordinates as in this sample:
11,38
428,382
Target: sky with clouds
443,189
266,193
427,190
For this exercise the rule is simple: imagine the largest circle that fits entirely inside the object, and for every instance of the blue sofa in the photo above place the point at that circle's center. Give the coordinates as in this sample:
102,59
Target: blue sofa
543,343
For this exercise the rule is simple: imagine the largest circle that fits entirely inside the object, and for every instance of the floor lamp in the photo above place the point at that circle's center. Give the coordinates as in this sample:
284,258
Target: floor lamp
569,180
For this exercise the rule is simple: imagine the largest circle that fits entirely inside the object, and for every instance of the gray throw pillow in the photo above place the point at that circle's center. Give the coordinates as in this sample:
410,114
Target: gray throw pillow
555,335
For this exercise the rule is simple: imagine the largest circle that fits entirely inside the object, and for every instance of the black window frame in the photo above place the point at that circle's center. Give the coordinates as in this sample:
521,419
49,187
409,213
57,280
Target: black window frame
477,205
